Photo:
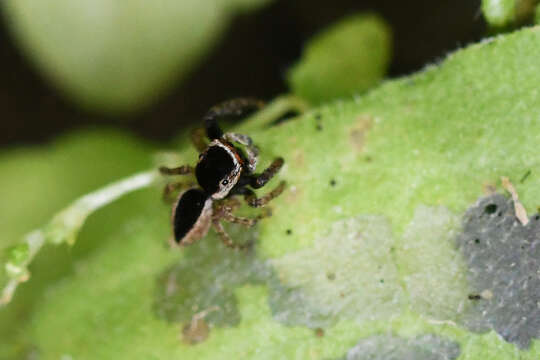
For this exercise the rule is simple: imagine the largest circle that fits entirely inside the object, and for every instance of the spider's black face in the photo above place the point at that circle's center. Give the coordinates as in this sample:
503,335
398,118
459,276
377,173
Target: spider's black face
218,169
191,215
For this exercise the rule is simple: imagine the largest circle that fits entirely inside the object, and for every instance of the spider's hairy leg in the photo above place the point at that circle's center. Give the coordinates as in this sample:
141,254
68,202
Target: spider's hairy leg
259,180
232,108
253,201
171,188
225,212
225,238
252,151
181,170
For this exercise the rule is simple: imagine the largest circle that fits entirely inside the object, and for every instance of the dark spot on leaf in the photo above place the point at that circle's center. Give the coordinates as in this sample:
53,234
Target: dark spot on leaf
288,232
319,332
331,276
525,176
490,209
477,241
318,125
474,297
332,182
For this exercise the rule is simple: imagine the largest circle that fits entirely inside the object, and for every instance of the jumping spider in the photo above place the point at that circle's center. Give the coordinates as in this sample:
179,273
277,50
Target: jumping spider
222,172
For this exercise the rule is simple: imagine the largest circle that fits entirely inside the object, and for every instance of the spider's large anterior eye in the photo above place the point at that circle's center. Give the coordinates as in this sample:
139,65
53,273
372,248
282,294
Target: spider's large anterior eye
224,182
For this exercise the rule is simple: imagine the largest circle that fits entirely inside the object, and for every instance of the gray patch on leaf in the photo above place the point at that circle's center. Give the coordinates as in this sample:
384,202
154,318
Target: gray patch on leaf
348,273
432,268
503,258
204,280
389,347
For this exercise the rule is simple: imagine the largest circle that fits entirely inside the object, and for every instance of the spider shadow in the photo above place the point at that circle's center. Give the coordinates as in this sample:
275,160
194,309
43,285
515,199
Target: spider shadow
205,278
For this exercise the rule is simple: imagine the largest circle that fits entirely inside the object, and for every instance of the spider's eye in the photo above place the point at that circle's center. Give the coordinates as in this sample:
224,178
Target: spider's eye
224,182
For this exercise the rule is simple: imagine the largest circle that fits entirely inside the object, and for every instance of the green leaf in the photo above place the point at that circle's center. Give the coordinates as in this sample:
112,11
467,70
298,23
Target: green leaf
368,250
119,56
346,59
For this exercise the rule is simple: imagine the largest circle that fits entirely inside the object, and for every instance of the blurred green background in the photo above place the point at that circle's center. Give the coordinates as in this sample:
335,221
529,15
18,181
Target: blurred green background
154,67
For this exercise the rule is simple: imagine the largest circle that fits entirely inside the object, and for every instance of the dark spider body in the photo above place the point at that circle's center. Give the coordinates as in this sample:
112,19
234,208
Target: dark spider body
222,172
219,168
188,224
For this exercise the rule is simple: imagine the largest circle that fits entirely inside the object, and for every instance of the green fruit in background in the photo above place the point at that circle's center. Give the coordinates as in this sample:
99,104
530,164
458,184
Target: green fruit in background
118,56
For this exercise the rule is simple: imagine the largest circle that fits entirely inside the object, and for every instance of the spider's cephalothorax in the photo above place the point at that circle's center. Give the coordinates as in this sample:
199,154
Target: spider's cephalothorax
225,169
219,168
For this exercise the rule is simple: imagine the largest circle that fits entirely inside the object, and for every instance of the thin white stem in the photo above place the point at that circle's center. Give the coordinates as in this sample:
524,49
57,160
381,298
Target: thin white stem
65,226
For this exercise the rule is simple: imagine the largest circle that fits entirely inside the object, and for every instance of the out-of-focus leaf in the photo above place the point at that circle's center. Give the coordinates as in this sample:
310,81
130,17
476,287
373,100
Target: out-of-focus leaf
347,58
119,56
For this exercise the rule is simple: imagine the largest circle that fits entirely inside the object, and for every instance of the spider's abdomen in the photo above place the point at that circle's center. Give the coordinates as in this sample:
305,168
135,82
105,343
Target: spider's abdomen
192,216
